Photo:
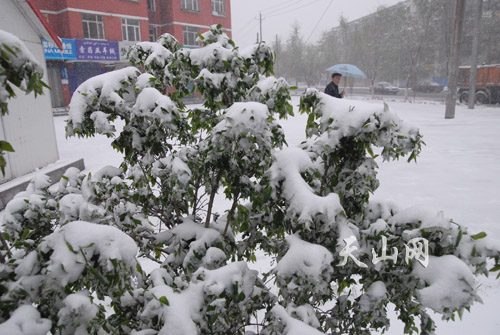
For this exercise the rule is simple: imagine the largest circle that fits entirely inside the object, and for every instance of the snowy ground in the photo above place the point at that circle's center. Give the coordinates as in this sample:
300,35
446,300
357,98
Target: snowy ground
458,172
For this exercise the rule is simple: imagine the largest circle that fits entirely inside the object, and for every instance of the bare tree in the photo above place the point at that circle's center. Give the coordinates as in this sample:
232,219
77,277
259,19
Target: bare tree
475,53
453,69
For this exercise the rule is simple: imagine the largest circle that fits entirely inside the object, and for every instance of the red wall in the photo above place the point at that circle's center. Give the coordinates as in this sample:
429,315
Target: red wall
169,11
68,24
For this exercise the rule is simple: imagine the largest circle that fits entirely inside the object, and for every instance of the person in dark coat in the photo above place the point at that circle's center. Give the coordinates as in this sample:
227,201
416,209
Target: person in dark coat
333,87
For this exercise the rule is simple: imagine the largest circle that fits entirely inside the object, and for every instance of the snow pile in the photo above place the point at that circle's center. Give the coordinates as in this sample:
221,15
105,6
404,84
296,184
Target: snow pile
192,245
102,91
372,297
270,91
28,208
305,270
22,62
150,54
151,103
77,312
292,326
25,320
450,284
212,56
216,80
304,203
308,259
203,303
343,118
74,245
414,221
244,120
178,311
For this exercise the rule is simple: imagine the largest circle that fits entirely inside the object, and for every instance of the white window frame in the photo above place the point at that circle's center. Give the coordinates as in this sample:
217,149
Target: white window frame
189,35
89,20
152,5
152,34
129,27
218,7
190,5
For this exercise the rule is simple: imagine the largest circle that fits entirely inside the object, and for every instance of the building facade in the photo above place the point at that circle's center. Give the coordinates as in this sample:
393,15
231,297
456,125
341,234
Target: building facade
184,19
29,126
96,34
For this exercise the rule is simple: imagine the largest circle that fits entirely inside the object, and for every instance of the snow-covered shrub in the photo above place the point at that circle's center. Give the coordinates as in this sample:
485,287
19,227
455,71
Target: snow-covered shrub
340,258
18,67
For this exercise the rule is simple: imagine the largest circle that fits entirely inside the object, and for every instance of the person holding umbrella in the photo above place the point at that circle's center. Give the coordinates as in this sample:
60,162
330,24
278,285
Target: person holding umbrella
333,87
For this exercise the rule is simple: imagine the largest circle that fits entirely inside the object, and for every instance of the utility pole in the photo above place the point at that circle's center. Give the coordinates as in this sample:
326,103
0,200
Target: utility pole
475,53
260,19
451,98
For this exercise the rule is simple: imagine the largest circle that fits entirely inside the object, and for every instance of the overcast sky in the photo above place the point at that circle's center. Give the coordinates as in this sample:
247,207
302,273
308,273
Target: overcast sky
313,16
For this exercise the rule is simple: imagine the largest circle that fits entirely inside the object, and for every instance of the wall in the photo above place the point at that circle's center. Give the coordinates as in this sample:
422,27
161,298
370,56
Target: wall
68,23
169,17
29,126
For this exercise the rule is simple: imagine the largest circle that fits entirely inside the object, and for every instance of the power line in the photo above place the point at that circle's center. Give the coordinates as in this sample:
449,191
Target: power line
291,10
246,31
317,23
283,5
286,6
245,25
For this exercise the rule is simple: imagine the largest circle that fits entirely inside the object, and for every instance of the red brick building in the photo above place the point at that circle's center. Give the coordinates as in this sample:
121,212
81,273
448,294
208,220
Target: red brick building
96,19
97,33
184,19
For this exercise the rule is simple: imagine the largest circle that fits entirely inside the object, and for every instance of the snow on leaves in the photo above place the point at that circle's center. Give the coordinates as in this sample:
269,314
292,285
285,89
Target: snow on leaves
18,67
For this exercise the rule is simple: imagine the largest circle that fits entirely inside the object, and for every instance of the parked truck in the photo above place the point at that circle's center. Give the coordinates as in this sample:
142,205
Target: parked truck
487,84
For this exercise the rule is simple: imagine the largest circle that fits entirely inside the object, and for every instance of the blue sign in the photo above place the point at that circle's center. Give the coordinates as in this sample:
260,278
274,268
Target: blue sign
97,50
53,52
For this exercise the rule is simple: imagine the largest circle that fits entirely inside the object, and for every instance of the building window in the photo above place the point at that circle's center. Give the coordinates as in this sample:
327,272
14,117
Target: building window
218,7
189,5
152,5
93,27
190,34
152,34
131,30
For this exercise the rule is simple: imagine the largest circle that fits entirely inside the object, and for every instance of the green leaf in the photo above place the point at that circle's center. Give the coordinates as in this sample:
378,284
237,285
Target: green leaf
213,319
70,247
495,268
5,146
459,238
99,277
241,297
139,268
253,258
479,236
10,50
164,300
3,163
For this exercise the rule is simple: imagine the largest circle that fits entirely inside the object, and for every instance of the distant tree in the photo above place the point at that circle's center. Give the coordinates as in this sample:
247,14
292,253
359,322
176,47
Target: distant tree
294,55
312,69
490,27
280,51
330,51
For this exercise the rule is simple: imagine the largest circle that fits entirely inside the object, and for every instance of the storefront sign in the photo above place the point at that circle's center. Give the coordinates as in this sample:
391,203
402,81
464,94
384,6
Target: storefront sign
97,50
52,51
